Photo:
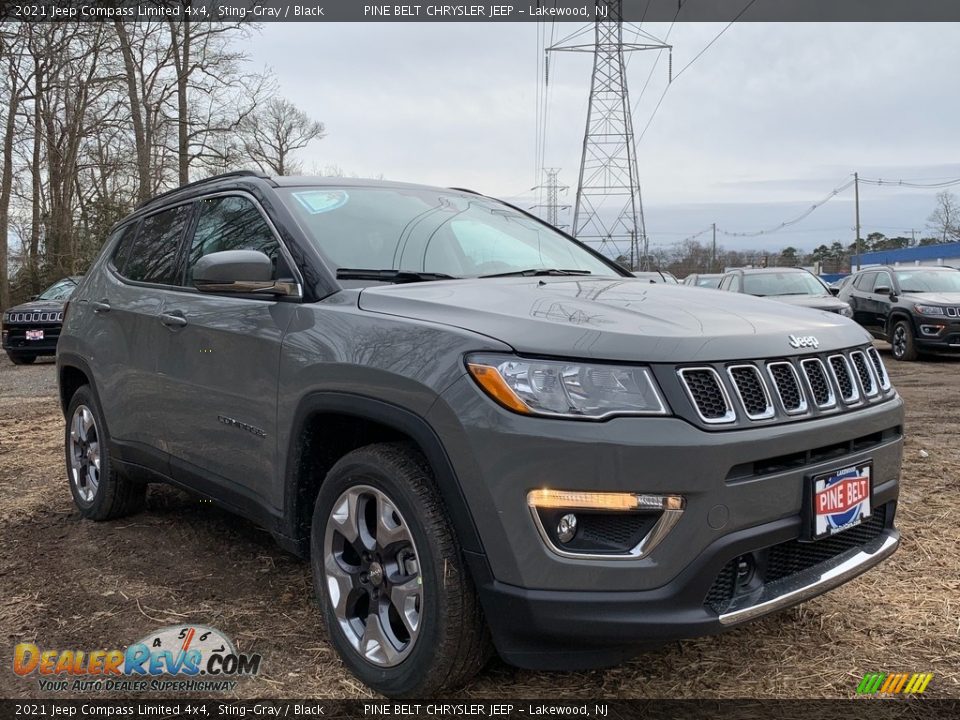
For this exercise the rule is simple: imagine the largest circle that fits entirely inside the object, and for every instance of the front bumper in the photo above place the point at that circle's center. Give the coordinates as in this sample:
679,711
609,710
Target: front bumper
744,495
579,630
14,339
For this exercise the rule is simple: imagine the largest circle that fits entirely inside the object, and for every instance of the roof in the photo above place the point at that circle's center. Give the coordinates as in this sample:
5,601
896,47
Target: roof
921,252
768,270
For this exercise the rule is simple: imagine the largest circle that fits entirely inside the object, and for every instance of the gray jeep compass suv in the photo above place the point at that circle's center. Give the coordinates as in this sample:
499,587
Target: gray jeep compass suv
483,434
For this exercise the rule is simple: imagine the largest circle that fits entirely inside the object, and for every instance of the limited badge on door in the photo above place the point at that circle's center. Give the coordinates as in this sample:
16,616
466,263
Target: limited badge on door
841,499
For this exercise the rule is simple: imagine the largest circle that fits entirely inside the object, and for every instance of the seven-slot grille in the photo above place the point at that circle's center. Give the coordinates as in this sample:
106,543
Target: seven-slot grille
36,317
799,387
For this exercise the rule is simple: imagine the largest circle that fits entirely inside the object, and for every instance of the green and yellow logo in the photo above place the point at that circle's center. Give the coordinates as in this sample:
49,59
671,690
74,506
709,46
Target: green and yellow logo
894,683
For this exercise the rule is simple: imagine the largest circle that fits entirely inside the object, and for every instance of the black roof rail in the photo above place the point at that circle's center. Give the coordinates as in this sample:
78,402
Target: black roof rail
203,181
467,190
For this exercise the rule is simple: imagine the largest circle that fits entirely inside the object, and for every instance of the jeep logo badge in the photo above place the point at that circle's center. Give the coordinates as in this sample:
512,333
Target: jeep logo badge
804,341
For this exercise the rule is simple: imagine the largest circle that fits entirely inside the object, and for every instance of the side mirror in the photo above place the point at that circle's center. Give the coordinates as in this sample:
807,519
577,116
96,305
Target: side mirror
240,272
834,291
882,290
34,297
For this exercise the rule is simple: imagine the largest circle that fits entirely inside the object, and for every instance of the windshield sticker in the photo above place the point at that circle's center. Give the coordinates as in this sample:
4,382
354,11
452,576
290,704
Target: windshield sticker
321,201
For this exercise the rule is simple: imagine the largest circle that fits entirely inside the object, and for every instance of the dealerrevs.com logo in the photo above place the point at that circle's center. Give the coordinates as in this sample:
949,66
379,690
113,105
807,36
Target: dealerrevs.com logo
179,658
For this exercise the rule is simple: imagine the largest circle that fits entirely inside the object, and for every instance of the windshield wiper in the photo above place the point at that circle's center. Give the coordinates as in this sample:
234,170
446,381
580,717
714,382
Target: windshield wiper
394,276
533,272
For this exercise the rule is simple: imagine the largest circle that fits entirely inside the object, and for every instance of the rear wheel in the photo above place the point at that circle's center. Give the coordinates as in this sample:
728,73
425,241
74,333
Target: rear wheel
21,358
99,491
902,344
398,602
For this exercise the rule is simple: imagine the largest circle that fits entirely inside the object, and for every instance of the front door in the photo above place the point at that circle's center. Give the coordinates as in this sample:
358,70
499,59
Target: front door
220,361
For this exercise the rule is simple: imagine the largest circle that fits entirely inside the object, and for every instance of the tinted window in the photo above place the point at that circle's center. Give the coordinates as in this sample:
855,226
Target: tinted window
122,251
231,223
865,282
882,280
153,256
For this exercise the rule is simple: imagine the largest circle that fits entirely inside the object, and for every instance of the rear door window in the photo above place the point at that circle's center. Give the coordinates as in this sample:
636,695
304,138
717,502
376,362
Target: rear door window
154,255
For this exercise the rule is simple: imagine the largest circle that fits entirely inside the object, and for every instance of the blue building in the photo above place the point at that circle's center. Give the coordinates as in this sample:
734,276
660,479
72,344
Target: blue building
944,254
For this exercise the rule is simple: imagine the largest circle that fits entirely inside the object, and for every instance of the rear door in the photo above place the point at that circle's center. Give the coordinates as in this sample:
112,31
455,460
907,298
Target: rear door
219,362
859,297
877,301
128,334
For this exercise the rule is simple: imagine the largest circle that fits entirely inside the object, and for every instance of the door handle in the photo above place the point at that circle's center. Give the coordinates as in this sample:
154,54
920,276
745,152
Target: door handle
101,306
173,320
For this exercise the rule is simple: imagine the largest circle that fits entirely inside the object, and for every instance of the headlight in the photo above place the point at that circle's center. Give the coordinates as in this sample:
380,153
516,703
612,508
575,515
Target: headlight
557,388
928,309
846,311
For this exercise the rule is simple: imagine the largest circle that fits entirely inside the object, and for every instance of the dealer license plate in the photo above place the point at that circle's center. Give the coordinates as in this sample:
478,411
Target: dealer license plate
841,499
34,334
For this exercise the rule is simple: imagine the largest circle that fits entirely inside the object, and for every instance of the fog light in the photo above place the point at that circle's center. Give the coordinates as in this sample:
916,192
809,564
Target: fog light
931,329
567,528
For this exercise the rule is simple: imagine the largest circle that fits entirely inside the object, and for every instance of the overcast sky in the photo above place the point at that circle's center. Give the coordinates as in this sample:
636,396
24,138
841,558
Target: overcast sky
765,123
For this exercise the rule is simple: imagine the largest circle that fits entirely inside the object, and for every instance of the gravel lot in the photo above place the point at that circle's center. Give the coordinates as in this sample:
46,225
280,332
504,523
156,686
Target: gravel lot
66,583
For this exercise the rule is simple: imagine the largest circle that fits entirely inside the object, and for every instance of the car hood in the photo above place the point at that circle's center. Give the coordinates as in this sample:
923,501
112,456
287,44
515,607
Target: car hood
615,319
934,298
816,302
38,306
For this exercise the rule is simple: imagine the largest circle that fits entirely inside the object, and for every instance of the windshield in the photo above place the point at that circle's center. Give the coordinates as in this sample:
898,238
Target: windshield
709,281
59,290
783,283
430,231
921,281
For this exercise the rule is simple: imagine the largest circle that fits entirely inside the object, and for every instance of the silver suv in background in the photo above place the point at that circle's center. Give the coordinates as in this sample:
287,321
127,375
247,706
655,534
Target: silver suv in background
483,435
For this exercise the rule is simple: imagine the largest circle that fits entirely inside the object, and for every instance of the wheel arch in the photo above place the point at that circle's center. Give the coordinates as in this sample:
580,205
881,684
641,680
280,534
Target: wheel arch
369,420
895,316
73,372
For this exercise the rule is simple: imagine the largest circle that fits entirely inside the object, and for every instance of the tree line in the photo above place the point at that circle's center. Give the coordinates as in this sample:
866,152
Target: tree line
95,117
693,256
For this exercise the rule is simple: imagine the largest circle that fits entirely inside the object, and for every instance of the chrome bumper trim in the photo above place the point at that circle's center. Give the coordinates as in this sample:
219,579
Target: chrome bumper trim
808,583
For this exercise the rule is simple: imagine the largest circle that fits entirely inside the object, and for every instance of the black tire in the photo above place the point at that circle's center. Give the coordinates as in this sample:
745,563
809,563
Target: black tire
21,358
903,346
114,495
451,642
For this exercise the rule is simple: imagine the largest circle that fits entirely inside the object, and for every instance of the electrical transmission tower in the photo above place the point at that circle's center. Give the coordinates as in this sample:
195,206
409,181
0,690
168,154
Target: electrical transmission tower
608,206
552,188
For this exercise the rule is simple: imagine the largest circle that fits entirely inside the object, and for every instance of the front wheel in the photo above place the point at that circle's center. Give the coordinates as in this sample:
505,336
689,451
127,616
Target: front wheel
99,491
398,602
902,344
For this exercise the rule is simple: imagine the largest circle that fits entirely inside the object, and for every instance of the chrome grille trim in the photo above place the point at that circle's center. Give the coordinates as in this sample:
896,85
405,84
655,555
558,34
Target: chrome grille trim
802,406
854,397
806,364
880,368
769,412
36,317
859,359
729,416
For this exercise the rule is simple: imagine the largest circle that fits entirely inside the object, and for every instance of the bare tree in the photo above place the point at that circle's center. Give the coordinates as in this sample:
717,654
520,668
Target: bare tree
944,221
272,136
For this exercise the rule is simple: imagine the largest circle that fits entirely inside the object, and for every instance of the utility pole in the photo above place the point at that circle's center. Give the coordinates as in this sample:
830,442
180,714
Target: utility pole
856,196
608,163
713,253
552,189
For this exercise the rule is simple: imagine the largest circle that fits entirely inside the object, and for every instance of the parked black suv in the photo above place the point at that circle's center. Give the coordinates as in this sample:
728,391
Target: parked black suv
33,328
479,430
914,308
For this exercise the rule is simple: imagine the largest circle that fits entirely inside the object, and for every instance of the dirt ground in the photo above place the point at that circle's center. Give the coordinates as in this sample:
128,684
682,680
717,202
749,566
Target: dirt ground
66,583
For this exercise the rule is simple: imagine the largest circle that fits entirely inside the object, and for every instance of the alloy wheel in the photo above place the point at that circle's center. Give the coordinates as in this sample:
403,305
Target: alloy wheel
373,575
84,453
899,344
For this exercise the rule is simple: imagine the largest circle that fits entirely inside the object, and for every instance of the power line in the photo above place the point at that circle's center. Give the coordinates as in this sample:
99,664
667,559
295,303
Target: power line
912,184
684,68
